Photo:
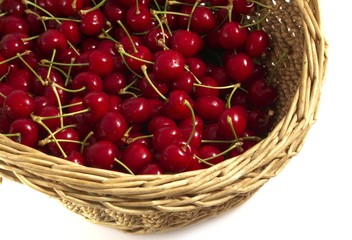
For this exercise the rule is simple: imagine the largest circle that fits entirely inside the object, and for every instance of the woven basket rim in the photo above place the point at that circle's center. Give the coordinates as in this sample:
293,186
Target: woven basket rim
288,134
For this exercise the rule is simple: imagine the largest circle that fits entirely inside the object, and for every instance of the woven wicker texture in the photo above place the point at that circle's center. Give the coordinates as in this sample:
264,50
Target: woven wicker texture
146,204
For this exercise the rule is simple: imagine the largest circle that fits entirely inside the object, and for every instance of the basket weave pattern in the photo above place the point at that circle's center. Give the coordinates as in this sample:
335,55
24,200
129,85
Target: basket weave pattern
146,204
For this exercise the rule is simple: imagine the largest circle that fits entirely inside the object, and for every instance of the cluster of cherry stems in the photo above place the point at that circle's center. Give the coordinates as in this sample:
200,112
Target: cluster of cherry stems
144,87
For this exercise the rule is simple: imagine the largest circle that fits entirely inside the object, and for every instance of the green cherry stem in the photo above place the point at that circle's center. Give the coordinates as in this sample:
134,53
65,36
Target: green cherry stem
206,160
144,70
229,121
97,6
229,99
192,11
124,166
188,105
85,140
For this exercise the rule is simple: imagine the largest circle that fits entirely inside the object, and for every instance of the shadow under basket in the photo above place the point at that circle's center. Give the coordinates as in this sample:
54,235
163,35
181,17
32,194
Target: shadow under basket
153,203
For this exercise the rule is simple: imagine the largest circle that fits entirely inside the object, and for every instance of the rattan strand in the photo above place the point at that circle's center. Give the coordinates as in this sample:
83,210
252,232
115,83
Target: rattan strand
147,204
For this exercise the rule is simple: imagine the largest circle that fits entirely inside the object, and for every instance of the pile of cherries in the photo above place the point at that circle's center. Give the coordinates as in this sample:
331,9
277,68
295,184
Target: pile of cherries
137,86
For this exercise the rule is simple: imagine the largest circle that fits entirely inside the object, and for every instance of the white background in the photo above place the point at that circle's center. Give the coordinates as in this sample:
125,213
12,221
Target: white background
310,199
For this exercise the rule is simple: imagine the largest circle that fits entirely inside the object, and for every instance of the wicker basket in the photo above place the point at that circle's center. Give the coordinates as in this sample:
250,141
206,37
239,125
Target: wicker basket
146,204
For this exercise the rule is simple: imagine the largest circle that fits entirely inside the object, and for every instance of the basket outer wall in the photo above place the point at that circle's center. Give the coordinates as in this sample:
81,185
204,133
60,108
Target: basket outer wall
146,204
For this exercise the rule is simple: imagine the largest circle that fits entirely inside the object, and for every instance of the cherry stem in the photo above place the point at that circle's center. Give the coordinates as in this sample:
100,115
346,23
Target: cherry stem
12,134
173,13
235,87
124,166
29,11
195,77
205,160
131,56
38,77
124,91
229,121
38,120
46,18
72,105
153,12
69,71
229,9
70,90
137,7
51,63
56,68
26,2
45,61
188,105
18,55
48,139
85,140
144,70
131,140
97,6
192,11
218,87
53,85
128,35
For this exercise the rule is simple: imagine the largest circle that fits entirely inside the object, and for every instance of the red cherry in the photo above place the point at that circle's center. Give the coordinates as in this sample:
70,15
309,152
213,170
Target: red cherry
242,6
209,108
111,127
185,83
239,67
158,122
142,56
175,159
20,79
186,42
138,19
176,107
70,8
101,154
92,22
71,31
135,156
11,44
235,117
27,130
18,104
52,39
169,65
76,157
100,63
166,135
114,82
209,151
68,139
50,111
260,121
152,168
203,20
88,80
154,39
136,110
97,104
257,43
12,24
261,94
232,35
114,11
